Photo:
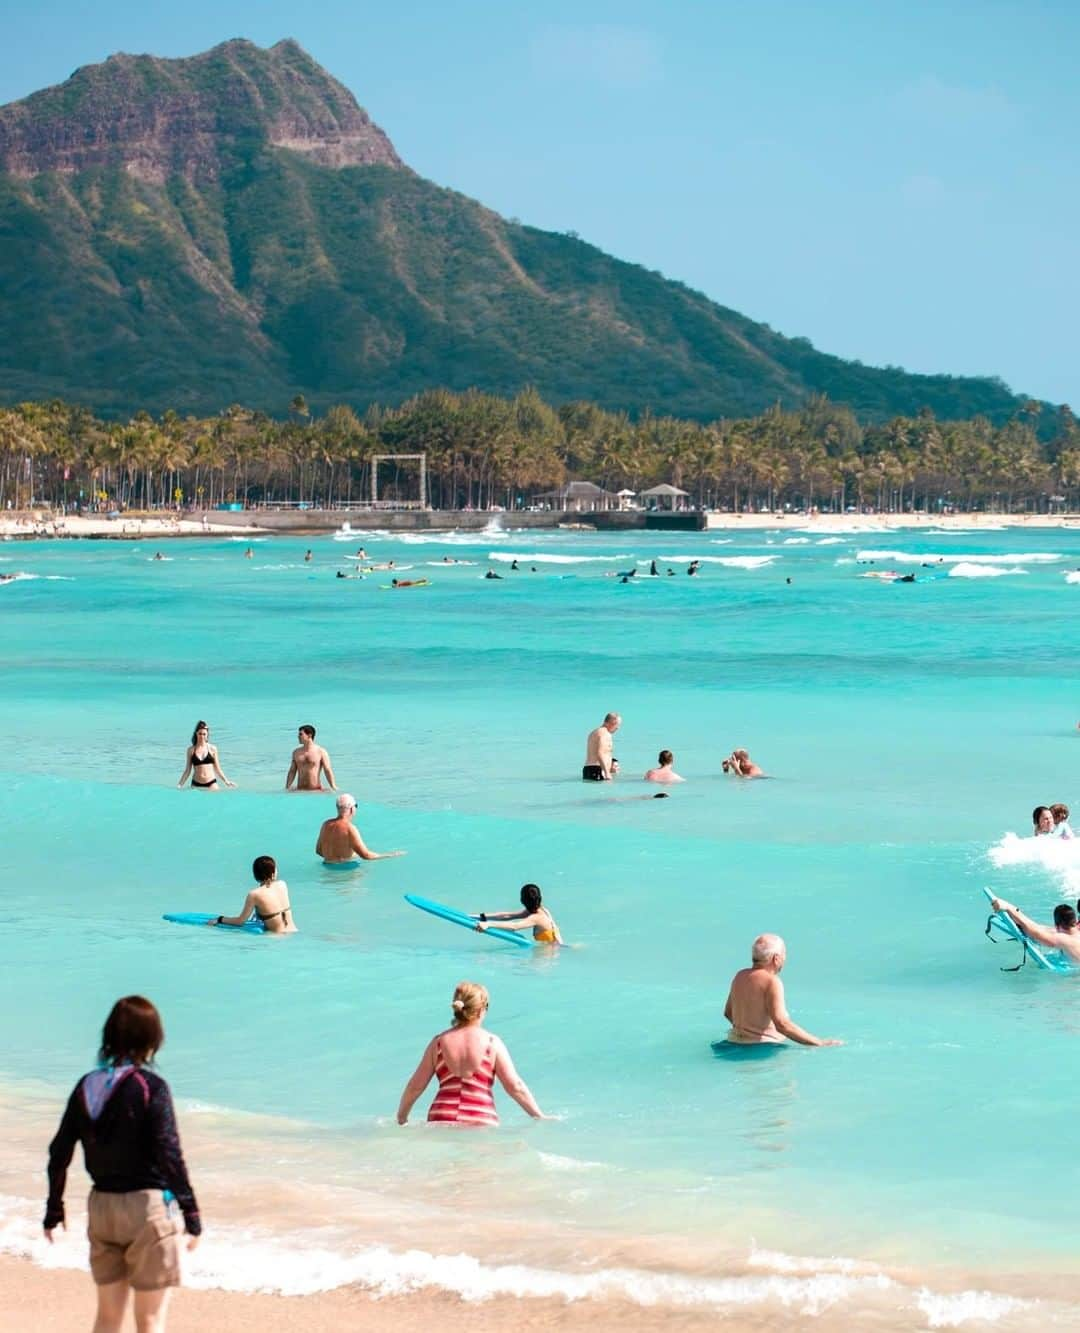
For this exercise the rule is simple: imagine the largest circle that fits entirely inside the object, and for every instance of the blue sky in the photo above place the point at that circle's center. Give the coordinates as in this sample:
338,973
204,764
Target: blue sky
896,181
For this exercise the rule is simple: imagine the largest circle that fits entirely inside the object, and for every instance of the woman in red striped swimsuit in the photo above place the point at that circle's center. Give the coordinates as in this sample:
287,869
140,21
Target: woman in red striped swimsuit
466,1060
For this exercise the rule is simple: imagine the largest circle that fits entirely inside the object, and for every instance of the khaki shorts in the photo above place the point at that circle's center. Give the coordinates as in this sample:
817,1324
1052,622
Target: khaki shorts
134,1238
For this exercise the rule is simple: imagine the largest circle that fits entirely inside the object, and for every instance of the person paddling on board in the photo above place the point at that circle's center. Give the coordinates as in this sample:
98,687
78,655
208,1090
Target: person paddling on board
339,839
535,917
269,902
755,1004
1063,935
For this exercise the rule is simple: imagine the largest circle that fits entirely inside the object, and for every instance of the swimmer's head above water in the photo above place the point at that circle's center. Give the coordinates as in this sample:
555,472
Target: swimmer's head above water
1042,819
1064,917
346,804
768,951
264,869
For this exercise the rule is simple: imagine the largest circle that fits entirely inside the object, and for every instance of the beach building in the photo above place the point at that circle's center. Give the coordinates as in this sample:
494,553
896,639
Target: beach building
665,496
581,497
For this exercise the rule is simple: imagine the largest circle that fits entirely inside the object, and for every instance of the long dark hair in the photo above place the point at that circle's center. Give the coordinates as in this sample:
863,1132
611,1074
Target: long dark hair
198,727
132,1032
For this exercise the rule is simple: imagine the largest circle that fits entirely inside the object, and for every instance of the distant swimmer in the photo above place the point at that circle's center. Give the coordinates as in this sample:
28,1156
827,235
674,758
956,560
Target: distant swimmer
671,573
466,1060
339,839
653,571
202,761
492,575
308,557
600,765
755,1004
408,583
249,554
342,574
1061,821
449,560
269,901
1043,820
741,765
361,554
693,567
309,763
1064,934
535,917
664,772
514,564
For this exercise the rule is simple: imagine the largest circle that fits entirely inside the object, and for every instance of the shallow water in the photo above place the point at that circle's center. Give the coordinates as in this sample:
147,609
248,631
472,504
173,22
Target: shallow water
909,726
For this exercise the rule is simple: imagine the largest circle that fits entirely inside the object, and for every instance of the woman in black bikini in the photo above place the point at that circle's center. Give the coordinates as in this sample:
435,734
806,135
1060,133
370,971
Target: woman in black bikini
269,902
202,761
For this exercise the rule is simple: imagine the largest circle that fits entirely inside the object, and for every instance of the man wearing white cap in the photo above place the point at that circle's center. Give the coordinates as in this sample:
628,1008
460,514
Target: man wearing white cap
339,839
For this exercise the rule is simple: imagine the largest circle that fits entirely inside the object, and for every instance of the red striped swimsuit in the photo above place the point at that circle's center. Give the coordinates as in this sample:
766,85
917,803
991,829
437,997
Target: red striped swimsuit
465,1099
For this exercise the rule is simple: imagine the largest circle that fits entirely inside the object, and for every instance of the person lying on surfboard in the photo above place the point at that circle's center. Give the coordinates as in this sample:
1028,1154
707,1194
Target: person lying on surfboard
535,917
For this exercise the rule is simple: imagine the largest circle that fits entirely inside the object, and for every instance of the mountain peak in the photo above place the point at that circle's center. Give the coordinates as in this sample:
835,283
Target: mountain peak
156,118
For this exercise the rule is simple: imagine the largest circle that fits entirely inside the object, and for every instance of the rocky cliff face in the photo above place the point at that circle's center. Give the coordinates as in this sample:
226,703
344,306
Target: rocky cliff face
159,118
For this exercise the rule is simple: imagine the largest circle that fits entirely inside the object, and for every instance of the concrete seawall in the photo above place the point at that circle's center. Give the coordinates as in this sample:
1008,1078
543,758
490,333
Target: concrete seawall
445,520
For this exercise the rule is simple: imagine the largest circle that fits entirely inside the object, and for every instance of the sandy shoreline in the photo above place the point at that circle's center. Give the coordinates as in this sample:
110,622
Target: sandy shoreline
42,524
59,1300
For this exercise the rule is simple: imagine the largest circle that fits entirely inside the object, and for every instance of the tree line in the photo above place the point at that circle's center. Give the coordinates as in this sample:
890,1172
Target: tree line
484,451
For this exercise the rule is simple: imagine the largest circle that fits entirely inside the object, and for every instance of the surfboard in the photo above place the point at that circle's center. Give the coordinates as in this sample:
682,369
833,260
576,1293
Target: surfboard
204,918
412,583
1008,927
457,918
354,864
736,1050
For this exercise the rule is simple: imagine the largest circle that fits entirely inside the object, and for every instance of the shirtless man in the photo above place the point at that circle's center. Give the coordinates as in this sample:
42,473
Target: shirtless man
664,772
599,765
309,763
755,1005
339,840
1064,934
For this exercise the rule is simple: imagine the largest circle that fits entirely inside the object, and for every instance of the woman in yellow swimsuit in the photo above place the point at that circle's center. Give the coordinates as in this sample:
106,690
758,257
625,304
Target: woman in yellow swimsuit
535,917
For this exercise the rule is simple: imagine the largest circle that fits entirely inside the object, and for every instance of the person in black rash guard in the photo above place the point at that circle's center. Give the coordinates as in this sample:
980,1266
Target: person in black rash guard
122,1113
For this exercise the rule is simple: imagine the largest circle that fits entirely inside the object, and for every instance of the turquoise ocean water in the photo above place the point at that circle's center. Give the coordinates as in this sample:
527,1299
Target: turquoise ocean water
914,1175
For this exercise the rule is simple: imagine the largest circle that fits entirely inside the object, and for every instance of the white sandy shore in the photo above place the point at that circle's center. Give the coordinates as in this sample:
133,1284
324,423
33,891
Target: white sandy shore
42,523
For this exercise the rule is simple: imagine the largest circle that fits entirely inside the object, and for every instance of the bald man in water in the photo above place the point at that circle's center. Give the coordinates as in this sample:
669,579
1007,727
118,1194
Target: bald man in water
755,1005
599,765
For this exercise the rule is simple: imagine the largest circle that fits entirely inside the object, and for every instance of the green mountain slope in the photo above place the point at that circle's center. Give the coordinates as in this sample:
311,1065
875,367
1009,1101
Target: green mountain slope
232,228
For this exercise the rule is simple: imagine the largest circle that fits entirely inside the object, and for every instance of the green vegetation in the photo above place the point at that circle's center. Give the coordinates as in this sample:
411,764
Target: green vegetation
485,450
197,265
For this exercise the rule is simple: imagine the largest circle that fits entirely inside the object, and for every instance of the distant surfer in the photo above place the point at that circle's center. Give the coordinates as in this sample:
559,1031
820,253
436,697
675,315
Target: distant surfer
600,765
755,1005
339,840
1064,934
740,765
653,571
308,557
664,770
269,901
492,575
249,554
309,763
693,567
202,761
535,917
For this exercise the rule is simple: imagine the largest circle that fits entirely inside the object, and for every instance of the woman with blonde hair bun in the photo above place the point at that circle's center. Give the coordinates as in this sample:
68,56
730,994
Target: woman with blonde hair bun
466,1060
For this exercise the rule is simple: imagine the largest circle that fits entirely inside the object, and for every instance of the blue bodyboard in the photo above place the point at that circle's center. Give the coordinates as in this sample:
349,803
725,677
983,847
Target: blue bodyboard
253,927
1048,960
457,918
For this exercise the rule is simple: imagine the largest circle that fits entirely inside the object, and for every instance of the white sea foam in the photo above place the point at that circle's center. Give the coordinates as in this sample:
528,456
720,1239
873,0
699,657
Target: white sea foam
972,569
237,1259
950,1310
1073,576
832,541
538,558
731,561
722,541
937,558
1060,856
248,540
796,541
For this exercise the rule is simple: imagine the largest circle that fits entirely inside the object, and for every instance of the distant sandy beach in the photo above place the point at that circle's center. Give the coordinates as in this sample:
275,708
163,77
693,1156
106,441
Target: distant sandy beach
43,524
